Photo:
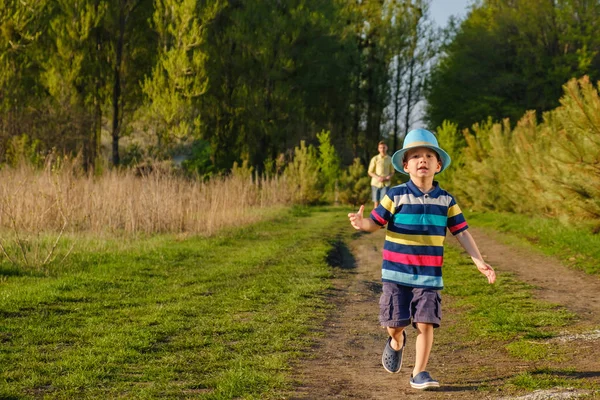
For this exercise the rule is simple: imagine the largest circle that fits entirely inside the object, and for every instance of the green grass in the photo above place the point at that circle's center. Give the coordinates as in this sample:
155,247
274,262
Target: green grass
550,378
506,316
532,351
507,311
576,246
166,317
541,379
224,317
502,311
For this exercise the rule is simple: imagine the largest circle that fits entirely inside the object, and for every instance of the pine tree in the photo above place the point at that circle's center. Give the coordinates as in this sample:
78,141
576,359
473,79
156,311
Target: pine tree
179,79
355,186
76,68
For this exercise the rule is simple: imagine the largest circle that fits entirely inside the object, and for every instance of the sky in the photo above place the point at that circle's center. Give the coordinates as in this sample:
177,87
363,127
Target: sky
441,10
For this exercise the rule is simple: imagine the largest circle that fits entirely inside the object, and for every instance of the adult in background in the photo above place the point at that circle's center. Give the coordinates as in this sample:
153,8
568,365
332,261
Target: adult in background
381,171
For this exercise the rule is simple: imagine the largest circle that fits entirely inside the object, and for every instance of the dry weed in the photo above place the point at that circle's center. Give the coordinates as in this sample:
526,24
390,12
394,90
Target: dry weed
63,198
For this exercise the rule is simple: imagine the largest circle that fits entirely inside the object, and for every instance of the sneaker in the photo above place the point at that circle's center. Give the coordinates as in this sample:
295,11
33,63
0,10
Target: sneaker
392,359
423,381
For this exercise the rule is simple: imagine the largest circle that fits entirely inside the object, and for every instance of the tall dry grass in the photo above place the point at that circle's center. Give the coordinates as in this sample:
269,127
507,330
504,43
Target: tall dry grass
125,202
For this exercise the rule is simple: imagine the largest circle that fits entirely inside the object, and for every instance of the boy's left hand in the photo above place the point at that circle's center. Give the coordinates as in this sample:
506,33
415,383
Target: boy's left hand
486,270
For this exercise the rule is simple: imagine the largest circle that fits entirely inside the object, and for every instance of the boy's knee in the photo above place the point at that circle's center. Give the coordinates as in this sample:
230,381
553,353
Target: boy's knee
395,330
424,326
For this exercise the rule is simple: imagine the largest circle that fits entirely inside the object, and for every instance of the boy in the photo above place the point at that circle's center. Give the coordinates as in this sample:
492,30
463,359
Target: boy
381,172
417,214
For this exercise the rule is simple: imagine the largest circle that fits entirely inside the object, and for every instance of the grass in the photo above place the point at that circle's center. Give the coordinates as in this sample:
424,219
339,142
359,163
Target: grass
176,316
61,197
166,317
552,378
503,311
506,314
530,350
542,379
576,246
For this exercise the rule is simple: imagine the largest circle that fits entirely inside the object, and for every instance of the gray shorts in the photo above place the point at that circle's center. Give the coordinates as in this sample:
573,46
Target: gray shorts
399,305
378,193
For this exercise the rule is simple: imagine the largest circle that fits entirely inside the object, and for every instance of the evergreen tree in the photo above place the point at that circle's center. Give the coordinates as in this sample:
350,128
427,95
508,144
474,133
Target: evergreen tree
130,55
75,68
179,78
278,74
355,188
21,26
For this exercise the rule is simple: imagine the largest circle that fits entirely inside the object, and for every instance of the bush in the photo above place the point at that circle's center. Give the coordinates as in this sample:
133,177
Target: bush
451,140
355,185
198,160
23,149
302,175
329,165
546,169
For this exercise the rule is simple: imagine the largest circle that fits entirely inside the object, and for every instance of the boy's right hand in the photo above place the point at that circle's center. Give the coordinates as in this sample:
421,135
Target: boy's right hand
357,218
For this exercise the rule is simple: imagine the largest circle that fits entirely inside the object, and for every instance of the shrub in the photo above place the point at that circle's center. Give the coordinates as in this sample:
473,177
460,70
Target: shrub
23,149
355,185
329,165
198,160
451,140
302,175
547,169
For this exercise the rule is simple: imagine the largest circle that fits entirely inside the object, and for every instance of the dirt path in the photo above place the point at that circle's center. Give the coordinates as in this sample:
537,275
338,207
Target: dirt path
345,363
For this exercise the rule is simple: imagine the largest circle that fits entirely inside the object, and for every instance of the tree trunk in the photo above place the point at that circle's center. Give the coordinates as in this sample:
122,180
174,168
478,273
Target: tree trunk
117,89
397,103
356,119
409,93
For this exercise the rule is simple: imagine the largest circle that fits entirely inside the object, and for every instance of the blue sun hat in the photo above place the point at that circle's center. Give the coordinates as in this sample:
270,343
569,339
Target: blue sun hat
419,138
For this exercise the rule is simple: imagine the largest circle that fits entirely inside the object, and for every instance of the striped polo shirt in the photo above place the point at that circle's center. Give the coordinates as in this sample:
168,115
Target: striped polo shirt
413,252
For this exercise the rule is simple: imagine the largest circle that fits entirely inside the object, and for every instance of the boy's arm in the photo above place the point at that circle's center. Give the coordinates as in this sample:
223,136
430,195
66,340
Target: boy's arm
468,243
360,223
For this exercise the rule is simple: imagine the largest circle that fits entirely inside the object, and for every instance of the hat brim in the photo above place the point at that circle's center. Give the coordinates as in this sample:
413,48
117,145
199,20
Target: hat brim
399,155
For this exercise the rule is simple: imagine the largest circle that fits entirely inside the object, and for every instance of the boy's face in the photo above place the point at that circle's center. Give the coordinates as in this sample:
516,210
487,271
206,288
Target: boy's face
382,148
421,162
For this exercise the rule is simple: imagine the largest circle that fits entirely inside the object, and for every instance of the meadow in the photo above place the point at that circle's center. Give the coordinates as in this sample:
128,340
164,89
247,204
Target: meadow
175,305
166,317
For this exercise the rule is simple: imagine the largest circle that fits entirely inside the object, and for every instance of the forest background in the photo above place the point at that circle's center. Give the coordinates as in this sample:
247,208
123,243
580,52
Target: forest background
291,96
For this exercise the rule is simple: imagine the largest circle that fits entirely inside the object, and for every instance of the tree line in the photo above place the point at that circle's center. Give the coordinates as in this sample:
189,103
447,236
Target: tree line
224,81
221,81
548,168
511,56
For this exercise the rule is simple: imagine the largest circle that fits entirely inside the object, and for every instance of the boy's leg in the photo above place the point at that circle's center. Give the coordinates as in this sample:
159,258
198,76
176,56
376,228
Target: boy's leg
394,310
426,309
423,346
391,358
394,315
397,337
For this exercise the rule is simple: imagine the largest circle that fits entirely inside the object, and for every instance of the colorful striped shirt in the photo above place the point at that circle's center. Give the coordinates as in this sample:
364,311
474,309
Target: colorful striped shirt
413,252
